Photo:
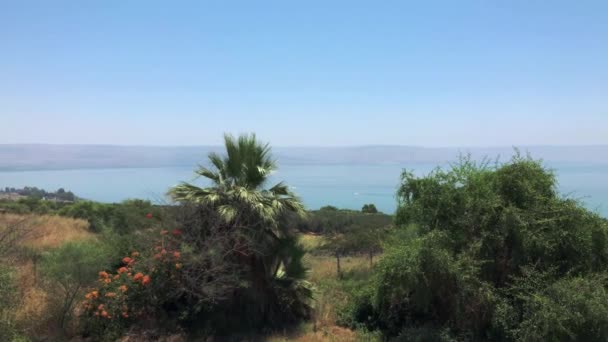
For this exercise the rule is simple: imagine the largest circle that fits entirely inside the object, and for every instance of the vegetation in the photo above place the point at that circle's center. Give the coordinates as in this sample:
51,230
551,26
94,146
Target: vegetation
477,252
369,209
489,253
264,251
33,192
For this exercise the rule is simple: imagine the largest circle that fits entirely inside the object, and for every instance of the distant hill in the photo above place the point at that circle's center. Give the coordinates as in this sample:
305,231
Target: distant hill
51,157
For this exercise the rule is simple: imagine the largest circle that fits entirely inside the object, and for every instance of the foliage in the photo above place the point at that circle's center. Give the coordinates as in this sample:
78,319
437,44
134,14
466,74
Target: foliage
124,218
460,265
140,288
252,217
369,209
571,308
36,193
330,220
69,269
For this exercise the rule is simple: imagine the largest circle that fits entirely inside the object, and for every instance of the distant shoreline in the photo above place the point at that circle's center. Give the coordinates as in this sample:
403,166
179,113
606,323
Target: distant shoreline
24,158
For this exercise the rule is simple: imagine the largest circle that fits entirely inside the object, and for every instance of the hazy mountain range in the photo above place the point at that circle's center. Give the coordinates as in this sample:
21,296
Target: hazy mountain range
49,157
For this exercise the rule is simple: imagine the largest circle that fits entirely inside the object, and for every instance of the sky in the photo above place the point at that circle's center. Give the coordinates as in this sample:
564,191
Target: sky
305,73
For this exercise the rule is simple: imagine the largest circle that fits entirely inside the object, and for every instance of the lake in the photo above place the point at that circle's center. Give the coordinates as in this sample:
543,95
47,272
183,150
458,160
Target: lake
344,186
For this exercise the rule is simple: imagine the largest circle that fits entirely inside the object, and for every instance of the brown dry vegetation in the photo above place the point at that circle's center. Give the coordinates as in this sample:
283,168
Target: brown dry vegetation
47,231
329,333
40,233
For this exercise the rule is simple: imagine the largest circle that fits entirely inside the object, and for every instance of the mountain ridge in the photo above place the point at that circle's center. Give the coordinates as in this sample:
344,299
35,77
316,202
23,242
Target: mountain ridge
22,157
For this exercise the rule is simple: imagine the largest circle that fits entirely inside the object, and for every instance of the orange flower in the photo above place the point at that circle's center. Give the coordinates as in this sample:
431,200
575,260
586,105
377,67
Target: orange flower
122,270
103,274
88,296
100,307
127,260
176,255
135,254
145,280
95,294
116,277
164,232
163,251
104,314
138,276
125,315
107,281
123,288
178,266
157,256
110,294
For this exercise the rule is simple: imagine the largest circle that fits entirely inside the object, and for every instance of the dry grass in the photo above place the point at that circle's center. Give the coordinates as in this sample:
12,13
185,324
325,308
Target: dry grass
330,333
48,231
328,296
34,310
43,232
311,241
323,267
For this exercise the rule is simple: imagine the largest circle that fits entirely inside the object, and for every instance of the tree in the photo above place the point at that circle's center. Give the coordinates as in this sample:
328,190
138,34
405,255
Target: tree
254,213
491,253
338,245
369,209
369,241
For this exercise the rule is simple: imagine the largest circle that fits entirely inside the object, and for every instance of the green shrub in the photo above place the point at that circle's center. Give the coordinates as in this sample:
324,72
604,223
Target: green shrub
422,283
359,311
14,207
492,253
69,270
571,309
147,286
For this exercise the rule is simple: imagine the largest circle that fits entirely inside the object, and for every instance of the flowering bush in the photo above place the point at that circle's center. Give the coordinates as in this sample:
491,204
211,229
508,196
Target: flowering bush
137,289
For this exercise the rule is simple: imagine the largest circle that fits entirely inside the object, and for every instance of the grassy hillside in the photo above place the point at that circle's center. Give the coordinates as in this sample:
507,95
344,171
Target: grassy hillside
30,236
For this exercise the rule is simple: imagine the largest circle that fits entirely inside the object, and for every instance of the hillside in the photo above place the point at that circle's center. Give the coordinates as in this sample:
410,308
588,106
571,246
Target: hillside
52,157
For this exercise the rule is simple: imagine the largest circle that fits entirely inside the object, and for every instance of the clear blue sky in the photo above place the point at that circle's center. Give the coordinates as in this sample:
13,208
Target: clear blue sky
430,73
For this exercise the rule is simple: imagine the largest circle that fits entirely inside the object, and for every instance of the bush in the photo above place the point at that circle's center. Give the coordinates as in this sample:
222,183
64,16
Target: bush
151,286
14,207
491,254
369,209
359,311
69,269
422,284
570,309
123,218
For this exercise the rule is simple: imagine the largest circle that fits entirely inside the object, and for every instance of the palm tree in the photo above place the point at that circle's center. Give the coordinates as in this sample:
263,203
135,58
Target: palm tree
237,183
239,196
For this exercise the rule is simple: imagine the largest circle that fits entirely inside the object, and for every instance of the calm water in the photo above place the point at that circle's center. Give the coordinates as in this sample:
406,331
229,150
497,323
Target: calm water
345,186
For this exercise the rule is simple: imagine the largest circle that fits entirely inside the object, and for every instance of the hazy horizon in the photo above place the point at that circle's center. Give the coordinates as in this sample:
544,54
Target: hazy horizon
311,146
16,157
